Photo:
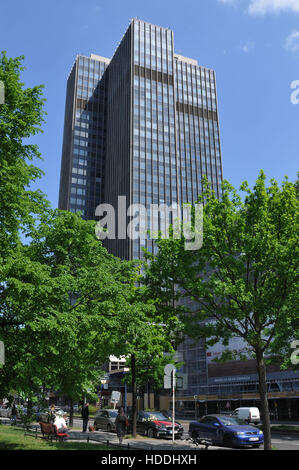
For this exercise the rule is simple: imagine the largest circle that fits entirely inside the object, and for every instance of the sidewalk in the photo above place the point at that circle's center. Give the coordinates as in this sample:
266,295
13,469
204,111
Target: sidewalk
134,444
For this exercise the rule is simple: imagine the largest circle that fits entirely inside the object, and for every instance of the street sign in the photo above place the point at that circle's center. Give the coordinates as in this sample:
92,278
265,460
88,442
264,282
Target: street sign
115,397
167,381
2,353
168,369
169,377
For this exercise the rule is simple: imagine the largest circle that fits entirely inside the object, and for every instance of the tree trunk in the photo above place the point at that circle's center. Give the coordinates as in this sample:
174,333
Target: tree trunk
148,396
261,369
134,393
29,406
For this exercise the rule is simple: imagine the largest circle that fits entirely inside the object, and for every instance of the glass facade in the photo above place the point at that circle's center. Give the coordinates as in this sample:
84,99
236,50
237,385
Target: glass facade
175,132
143,125
83,158
197,129
155,178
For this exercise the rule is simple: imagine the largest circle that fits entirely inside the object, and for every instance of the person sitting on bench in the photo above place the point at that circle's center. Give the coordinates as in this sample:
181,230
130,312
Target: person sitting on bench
60,422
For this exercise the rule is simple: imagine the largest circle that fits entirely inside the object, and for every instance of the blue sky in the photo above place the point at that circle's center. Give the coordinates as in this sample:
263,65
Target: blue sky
253,45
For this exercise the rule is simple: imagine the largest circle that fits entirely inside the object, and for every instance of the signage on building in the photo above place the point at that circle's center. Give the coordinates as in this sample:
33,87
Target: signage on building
237,378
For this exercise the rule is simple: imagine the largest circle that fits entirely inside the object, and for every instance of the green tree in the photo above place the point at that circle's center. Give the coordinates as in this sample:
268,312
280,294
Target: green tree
62,295
21,117
140,338
244,279
62,298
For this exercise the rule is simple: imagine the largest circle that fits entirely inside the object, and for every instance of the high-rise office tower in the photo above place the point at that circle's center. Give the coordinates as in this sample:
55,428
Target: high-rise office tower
143,125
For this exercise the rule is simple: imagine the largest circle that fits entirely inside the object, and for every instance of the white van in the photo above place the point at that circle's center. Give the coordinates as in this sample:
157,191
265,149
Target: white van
250,415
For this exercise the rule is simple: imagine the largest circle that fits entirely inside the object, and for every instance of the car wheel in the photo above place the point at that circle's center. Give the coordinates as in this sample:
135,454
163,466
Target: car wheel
256,446
227,440
151,433
194,435
109,429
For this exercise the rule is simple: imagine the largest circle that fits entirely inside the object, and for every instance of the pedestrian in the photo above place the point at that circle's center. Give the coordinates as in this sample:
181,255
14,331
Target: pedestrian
60,422
85,416
13,413
121,424
52,414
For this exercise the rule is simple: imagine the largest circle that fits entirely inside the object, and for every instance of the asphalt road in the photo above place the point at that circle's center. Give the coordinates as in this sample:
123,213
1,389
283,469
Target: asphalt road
281,441
285,442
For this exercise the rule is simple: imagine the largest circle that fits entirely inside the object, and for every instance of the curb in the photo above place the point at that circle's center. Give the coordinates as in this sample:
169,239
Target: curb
285,431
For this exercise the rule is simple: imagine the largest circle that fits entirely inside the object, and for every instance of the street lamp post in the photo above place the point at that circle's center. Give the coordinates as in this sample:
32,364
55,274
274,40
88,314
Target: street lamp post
173,402
170,382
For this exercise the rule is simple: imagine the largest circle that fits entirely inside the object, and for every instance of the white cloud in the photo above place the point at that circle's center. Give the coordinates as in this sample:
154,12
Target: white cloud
248,46
261,7
292,42
231,3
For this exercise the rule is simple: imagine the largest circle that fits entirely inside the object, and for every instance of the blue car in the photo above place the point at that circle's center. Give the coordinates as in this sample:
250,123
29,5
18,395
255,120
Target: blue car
227,431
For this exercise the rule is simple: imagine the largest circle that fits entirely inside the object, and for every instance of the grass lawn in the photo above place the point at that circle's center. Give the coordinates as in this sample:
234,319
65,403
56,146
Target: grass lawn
12,438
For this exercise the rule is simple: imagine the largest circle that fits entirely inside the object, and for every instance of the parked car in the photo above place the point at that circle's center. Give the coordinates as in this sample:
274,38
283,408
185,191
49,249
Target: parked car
65,408
45,415
249,415
5,411
105,419
156,424
225,430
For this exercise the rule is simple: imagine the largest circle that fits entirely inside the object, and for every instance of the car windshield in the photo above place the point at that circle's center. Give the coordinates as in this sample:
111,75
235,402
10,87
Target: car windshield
156,416
112,414
230,420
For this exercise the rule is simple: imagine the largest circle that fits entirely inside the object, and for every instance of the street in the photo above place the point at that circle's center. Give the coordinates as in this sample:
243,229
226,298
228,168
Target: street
281,441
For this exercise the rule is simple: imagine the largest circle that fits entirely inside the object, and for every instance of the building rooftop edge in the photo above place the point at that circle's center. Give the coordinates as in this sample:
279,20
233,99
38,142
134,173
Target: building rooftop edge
185,59
100,58
149,23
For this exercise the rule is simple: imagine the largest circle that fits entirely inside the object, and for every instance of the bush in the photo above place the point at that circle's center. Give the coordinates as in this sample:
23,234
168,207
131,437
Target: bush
26,416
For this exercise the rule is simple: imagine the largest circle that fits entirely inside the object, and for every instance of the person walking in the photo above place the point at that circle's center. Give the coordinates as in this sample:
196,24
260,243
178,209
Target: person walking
85,416
52,414
121,424
13,413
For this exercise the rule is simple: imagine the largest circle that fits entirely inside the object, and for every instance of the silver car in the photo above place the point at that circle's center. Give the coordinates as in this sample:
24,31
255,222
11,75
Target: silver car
5,411
105,419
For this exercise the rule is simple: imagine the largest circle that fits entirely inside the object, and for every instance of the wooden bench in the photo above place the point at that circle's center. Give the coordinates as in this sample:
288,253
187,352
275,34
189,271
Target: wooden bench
50,430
